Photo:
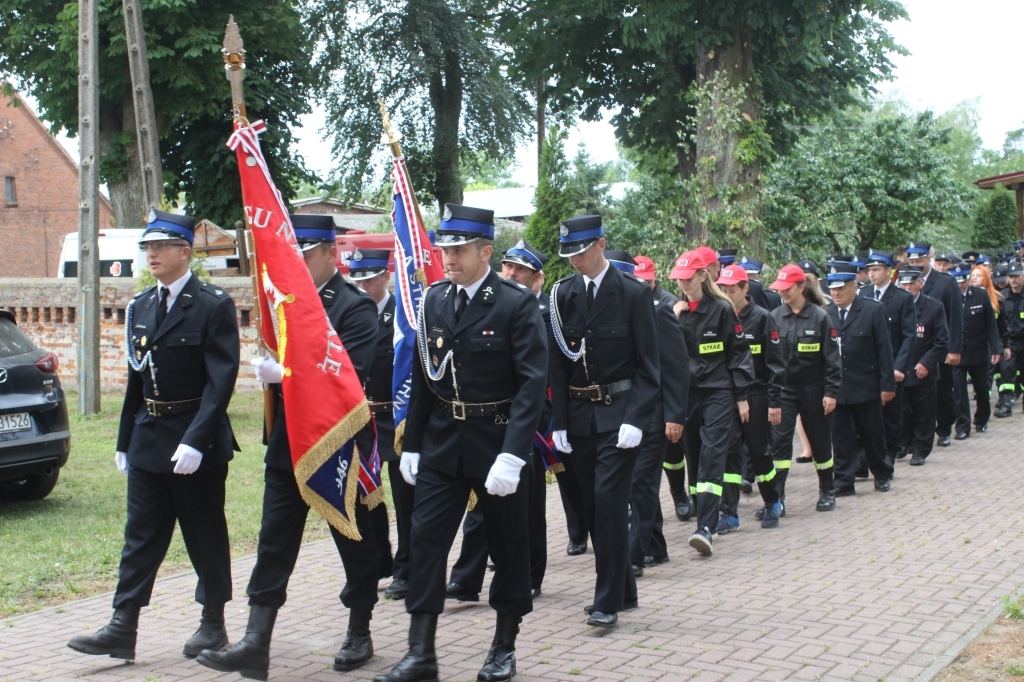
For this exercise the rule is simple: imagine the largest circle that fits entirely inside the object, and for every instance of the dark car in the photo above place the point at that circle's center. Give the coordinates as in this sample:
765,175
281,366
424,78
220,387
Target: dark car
35,437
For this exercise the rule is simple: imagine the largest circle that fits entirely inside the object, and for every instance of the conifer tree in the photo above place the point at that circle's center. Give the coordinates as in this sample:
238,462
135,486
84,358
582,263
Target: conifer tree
995,222
553,203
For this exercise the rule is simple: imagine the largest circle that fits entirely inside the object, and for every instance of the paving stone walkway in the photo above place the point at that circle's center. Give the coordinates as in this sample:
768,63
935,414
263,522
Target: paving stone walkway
880,589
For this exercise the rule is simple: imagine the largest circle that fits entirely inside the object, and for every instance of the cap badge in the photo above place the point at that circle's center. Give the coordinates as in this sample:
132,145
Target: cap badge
743,260
447,214
521,245
564,231
357,256
152,216
782,275
833,271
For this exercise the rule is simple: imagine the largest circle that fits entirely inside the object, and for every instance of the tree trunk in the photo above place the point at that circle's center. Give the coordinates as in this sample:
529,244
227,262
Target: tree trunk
686,161
446,100
732,64
122,167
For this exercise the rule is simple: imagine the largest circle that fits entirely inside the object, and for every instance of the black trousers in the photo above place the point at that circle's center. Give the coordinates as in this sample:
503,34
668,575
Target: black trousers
977,375
1009,370
471,565
645,536
805,401
855,427
438,510
284,521
402,496
892,415
919,406
155,502
605,474
572,501
945,405
712,429
756,435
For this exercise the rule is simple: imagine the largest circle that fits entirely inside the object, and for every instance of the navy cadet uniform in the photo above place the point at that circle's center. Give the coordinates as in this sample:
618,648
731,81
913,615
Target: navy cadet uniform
943,288
647,546
605,375
867,372
175,441
920,394
810,369
352,314
981,342
902,318
477,395
363,265
1012,313
467,576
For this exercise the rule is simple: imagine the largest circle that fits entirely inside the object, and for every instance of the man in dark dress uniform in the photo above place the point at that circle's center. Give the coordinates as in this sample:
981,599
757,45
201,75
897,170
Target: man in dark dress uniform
175,439
354,317
902,318
868,381
647,546
675,459
982,350
525,265
766,298
477,396
943,288
368,270
605,379
920,386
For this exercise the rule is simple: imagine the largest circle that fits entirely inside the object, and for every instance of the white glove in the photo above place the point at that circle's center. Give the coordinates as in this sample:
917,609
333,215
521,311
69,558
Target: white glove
121,460
409,465
268,370
503,478
187,458
561,439
629,437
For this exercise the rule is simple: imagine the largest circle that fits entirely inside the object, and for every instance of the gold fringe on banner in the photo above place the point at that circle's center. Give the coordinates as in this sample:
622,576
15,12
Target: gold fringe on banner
399,437
473,499
556,468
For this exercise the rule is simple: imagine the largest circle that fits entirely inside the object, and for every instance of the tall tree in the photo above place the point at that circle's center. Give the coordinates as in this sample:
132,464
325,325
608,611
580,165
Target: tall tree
554,201
995,222
193,102
437,65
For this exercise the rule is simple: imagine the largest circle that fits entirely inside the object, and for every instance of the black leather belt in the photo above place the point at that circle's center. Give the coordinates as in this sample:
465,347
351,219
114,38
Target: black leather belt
380,407
160,409
601,393
499,410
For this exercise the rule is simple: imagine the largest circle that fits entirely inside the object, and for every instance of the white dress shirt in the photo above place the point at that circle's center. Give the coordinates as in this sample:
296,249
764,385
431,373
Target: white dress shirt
383,303
174,289
879,293
471,289
596,280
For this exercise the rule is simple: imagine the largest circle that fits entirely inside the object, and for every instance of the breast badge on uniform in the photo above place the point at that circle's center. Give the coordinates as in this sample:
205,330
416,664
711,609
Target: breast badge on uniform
440,344
775,337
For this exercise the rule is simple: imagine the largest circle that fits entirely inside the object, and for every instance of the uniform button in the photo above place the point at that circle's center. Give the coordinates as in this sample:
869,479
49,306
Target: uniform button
459,365
588,331
456,342
156,347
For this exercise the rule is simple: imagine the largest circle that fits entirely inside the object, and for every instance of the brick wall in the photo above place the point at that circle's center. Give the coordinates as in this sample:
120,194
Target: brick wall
45,180
46,310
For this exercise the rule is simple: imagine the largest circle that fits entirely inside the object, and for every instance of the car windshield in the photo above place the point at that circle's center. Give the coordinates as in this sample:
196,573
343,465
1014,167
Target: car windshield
12,341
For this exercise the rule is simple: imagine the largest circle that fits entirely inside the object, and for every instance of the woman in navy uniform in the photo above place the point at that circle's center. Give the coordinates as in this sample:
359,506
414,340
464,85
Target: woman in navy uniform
982,348
868,381
477,396
721,374
353,316
810,376
175,439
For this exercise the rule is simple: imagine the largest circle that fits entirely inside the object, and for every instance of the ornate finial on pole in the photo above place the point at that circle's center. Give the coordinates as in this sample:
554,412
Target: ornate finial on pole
234,66
391,135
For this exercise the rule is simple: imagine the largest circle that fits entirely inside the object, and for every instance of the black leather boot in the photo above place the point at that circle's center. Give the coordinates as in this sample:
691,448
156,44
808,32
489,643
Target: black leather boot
115,639
826,490
501,658
420,664
211,633
251,657
358,647
680,497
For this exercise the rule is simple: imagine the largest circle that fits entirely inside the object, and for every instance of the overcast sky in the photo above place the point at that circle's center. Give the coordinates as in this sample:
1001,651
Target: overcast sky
957,54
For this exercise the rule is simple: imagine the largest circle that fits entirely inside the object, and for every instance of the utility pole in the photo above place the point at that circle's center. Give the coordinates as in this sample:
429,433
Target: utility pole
88,215
146,132
540,124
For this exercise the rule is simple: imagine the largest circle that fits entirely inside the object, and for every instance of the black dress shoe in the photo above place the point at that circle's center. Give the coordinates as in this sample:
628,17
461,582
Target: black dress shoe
943,441
981,428
599,619
115,639
398,589
684,510
576,548
901,452
628,606
460,593
883,486
845,491
638,571
651,562
916,461
210,635
963,435
535,592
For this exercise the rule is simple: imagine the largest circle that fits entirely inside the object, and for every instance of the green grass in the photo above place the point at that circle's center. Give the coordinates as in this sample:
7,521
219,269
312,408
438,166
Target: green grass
68,546
1015,670
1013,609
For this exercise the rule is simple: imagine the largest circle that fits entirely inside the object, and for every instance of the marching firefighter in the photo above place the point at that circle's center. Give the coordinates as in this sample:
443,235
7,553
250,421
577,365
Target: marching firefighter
982,348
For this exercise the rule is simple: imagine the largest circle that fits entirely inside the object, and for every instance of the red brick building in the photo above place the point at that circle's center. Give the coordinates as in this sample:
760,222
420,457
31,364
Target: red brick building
39,194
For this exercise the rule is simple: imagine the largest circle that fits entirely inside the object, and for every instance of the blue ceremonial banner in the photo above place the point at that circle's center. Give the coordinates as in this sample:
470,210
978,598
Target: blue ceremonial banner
415,269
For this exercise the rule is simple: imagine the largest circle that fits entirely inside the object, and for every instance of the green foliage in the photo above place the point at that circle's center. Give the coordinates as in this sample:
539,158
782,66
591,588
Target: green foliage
480,171
1014,610
553,203
995,222
39,46
590,184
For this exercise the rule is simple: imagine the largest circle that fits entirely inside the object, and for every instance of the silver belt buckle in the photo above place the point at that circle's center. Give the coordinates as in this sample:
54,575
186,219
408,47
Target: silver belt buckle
151,408
459,411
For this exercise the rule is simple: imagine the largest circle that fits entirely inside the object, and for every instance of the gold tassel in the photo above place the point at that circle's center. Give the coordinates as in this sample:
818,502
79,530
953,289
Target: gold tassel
471,504
556,468
374,498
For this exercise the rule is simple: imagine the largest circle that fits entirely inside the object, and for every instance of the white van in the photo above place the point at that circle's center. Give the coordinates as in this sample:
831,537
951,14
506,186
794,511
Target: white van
119,254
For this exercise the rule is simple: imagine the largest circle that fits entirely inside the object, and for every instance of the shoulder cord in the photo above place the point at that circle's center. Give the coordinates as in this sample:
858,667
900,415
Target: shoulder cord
147,360
556,327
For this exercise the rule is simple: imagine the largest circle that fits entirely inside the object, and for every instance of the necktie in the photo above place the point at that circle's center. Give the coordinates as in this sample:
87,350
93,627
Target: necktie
591,292
842,316
878,294
161,312
461,307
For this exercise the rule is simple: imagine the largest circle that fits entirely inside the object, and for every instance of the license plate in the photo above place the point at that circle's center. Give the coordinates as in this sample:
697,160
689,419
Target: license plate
19,421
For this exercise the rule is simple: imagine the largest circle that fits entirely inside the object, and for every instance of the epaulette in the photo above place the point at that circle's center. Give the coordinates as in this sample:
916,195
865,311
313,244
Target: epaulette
213,291
440,281
567,278
514,284
635,280
144,292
